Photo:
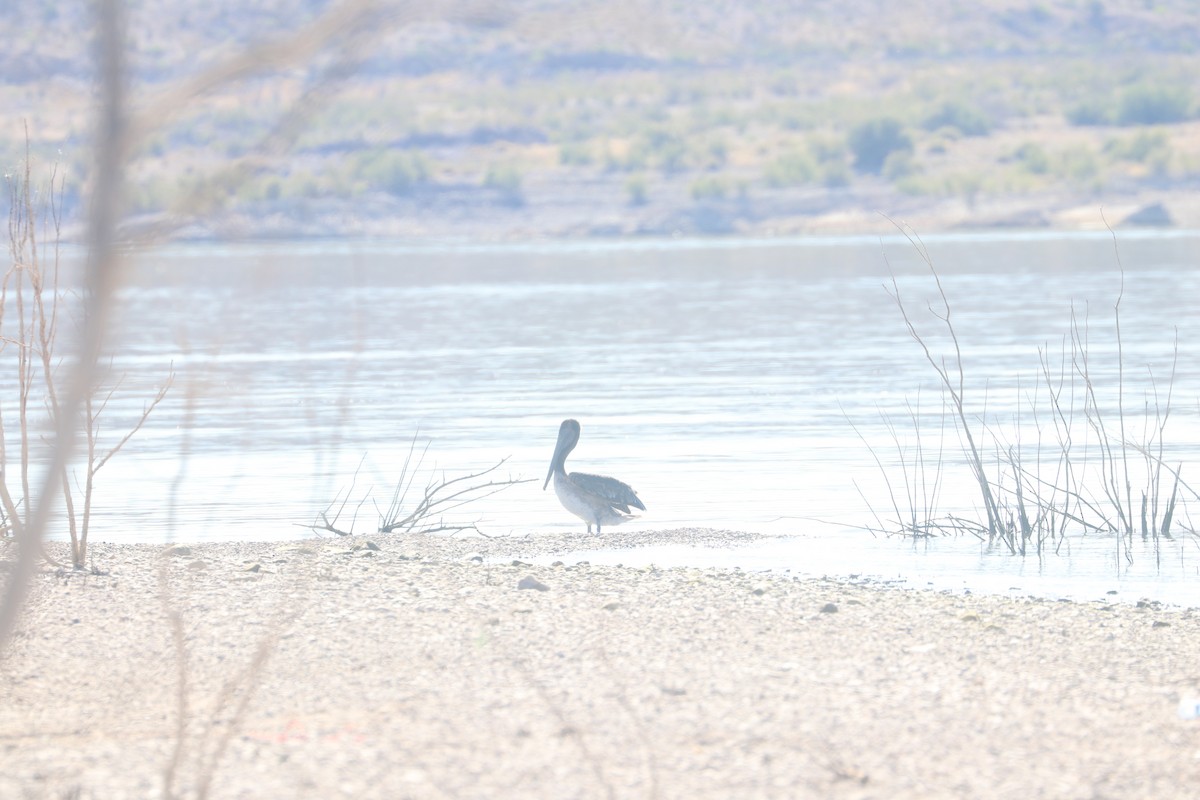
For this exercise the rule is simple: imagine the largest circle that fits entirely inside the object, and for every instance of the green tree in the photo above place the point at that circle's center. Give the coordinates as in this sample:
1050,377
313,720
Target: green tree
966,120
874,140
1153,105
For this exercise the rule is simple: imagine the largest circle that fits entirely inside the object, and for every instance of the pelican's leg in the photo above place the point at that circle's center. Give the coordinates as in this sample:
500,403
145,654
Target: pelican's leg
589,527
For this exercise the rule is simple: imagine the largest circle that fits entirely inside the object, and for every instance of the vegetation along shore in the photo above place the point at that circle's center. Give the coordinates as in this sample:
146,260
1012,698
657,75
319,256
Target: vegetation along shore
519,120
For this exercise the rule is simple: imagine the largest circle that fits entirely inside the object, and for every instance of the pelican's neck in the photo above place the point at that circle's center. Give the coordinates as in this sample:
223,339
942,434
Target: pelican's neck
559,464
566,443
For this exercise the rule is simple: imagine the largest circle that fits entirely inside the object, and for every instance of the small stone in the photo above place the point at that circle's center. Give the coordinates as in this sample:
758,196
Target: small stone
254,568
371,545
829,608
178,550
530,582
1158,623
199,563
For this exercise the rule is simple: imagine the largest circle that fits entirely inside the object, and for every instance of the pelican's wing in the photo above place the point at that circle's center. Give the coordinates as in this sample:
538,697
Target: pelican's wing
620,495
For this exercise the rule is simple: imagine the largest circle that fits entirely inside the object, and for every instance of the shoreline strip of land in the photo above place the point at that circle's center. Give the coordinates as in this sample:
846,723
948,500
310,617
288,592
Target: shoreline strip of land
445,667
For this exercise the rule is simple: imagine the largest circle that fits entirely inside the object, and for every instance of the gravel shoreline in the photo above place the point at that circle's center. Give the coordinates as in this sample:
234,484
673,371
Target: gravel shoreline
378,667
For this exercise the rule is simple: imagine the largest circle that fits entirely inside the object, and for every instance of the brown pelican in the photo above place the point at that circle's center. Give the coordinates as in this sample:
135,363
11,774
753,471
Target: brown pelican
595,499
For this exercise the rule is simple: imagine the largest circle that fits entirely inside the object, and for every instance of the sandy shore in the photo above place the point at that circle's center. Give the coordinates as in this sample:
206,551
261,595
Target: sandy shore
423,668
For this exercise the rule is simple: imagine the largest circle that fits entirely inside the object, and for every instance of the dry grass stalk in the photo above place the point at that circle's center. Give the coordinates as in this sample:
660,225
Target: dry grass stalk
337,507
1024,507
200,744
39,306
953,380
440,496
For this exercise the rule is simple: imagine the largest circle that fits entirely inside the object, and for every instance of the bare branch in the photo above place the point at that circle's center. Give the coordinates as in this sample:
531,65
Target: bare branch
296,48
137,426
442,496
102,263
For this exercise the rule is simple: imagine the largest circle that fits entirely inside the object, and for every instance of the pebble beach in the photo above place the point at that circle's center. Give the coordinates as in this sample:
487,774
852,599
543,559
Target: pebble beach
430,667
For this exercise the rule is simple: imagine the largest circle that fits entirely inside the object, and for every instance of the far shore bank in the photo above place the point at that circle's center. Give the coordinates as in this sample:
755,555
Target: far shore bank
380,667
561,214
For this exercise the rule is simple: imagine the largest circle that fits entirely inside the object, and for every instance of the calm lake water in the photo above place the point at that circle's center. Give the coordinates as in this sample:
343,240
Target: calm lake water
723,379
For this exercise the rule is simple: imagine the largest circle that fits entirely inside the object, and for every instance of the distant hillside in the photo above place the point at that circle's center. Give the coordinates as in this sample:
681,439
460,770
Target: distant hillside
530,39
597,118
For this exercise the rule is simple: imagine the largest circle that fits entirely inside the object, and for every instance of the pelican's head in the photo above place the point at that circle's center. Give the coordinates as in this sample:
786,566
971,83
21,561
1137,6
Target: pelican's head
568,437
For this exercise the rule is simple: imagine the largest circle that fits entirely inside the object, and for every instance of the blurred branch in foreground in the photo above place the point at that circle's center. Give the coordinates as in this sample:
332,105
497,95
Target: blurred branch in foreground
122,125
101,278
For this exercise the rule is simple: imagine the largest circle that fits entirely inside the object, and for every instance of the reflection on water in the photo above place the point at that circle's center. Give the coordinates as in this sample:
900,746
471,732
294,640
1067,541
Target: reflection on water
716,377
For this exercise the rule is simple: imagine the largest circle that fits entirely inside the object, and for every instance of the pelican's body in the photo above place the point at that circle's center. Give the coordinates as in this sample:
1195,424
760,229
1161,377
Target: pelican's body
595,499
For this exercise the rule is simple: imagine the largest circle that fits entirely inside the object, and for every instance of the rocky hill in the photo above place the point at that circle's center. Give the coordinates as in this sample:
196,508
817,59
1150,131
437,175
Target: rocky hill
606,118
